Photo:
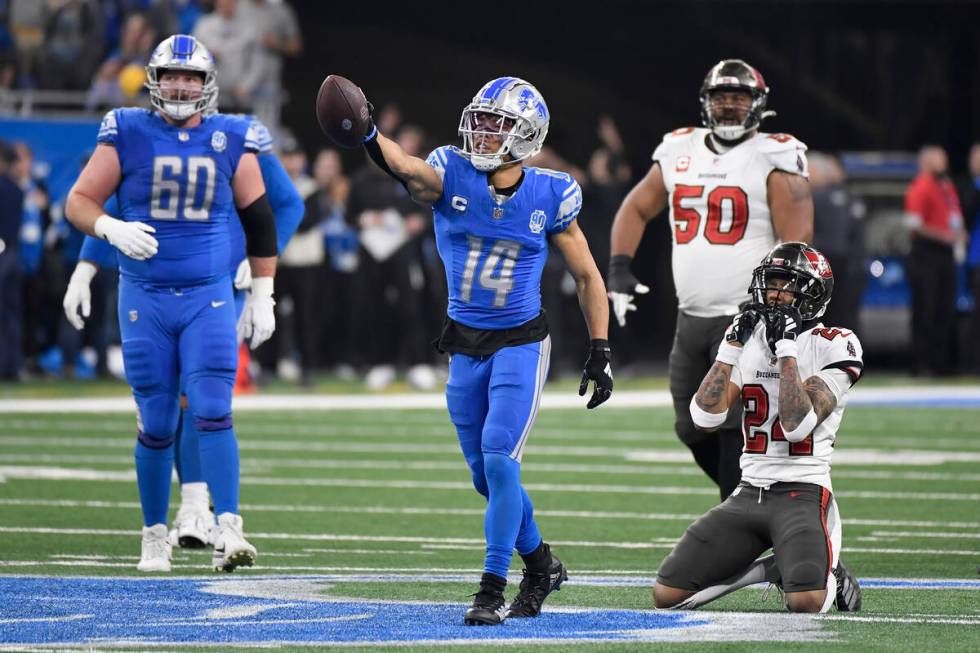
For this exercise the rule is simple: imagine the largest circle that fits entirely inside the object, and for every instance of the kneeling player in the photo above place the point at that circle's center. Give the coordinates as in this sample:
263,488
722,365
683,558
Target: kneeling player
792,375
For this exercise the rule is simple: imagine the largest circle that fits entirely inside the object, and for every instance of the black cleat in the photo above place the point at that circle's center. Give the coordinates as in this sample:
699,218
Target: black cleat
848,590
535,588
487,609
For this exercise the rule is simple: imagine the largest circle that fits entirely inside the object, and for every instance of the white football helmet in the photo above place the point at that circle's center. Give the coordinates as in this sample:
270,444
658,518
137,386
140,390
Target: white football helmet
181,52
522,123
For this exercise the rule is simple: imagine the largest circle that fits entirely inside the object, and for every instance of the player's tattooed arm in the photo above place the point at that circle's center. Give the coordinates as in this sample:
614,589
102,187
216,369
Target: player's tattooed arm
797,399
421,180
713,396
791,206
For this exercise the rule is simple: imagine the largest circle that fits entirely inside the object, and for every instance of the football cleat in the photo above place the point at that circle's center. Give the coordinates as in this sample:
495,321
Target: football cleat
848,590
231,549
156,552
193,528
535,588
487,609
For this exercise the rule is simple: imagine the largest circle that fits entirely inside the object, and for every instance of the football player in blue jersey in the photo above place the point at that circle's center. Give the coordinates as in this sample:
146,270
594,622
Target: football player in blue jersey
194,523
179,178
494,218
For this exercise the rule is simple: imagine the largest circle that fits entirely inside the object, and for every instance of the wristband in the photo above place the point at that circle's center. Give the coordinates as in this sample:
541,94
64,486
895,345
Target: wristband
786,348
84,272
705,420
804,429
262,286
601,345
102,223
728,354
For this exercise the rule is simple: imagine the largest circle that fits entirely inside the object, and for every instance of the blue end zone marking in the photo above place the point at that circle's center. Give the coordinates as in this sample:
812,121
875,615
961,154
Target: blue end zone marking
101,610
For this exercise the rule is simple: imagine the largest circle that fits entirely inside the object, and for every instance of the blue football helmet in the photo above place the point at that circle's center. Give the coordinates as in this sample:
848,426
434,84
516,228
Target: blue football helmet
181,52
521,121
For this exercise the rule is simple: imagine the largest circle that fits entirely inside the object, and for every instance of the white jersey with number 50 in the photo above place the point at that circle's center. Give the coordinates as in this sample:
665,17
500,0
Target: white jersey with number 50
719,213
834,355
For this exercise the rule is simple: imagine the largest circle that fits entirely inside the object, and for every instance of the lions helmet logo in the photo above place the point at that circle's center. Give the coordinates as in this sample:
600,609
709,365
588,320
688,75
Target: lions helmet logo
819,263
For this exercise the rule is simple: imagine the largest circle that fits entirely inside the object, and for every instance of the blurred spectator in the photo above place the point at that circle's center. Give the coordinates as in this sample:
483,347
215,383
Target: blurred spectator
73,43
280,38
838,232
294,160
11,206
26,20
389,279
933,213
35,219
121,76
235,42
969,188
301,272
8,52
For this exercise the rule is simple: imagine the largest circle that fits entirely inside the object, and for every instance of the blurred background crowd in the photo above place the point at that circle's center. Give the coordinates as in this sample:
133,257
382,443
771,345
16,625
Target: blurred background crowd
360,289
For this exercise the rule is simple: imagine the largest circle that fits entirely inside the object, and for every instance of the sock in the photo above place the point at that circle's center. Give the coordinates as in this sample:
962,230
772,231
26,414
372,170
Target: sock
219,462
505,511
189,451
538,560
492,584
194,495
528,538
831,592
758,572
154,468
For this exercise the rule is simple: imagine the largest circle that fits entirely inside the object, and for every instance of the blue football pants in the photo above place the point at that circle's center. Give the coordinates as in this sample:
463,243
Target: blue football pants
493,401
169,334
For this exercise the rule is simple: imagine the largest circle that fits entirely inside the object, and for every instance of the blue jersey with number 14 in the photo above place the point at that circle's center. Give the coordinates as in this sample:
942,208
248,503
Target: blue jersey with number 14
494,251
178,181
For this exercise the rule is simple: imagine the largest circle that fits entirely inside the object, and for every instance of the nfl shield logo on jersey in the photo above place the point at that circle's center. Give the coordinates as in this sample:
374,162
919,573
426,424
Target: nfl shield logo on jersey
219,141
537,222
133,315
683,163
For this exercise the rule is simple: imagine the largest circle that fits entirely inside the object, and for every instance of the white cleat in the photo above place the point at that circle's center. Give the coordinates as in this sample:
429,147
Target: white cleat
157,551
231,549
193,528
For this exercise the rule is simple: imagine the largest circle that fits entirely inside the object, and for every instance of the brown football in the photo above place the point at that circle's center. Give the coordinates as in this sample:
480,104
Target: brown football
342,111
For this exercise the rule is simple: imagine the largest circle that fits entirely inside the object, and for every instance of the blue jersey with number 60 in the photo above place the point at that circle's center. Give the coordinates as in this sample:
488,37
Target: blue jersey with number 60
178,181
494,251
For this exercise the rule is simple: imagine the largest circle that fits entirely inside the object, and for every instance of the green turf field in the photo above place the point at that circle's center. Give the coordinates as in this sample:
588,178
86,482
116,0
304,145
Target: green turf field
379,503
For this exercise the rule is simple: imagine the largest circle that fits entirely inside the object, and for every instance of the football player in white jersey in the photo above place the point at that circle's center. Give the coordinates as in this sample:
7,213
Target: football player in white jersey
733,193
791,374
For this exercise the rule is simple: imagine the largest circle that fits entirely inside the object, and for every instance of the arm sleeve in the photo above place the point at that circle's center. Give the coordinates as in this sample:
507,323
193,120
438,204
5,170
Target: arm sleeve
842,362
287,205
97,251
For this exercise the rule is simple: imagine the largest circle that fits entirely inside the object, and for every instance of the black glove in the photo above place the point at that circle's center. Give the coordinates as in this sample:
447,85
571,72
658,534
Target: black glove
620,279
743,325
783,322
598,369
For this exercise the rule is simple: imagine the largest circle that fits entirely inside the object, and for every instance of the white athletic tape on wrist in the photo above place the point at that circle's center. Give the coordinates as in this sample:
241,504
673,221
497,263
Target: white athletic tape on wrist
804,429
787,349
728,353
704,419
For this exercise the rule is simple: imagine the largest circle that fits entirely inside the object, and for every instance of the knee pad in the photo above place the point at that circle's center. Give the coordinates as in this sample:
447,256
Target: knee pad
210,424
157,417
498,439
805,575
210,400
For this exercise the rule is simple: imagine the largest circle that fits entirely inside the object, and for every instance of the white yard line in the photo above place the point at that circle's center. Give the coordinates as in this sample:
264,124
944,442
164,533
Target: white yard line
549,400
473,512
655,543
65,473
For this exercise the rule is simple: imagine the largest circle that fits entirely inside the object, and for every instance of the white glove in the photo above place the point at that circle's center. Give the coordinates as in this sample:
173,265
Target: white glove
622,303
258,319
243,276
131,238
79,295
